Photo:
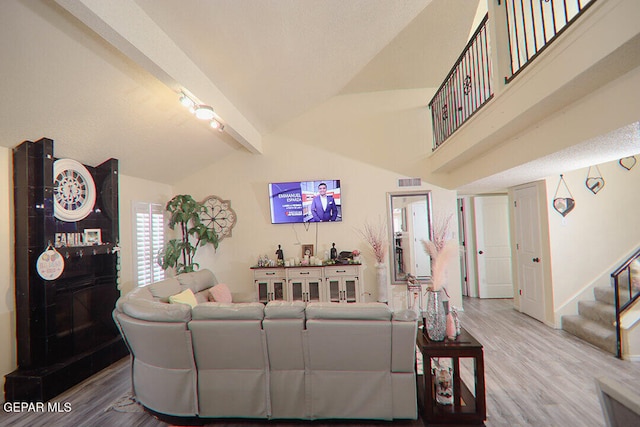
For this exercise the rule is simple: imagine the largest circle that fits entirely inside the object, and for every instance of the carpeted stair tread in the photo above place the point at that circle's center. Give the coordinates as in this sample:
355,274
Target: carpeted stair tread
598,311
591,331
606,294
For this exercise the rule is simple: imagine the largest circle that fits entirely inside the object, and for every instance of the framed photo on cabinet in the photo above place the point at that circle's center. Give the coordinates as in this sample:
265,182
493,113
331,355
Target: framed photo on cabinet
92,236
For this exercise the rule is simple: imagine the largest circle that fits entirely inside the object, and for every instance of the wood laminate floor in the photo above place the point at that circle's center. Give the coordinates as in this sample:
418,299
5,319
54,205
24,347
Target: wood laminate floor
535,376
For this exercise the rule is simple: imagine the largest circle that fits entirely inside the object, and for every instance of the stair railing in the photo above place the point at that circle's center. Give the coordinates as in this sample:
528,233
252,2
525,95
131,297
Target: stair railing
623,277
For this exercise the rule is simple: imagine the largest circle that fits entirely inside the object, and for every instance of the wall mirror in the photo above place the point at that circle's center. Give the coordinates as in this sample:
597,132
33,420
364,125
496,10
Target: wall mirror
409,222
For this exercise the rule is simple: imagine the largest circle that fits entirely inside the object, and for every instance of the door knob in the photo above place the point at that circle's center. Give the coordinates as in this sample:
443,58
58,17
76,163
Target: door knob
480,252
536,260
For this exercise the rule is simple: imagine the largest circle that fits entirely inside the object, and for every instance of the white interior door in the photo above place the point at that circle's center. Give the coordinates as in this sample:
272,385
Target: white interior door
493,247
528,250
462,242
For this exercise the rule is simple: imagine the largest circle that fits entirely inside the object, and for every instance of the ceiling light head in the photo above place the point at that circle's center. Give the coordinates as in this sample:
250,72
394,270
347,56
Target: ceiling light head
186,101
217,125
204,112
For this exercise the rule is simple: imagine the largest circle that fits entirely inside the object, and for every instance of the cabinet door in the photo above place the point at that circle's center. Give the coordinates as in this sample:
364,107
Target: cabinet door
350,289
278,293
297,290
262,287
335,292
313,291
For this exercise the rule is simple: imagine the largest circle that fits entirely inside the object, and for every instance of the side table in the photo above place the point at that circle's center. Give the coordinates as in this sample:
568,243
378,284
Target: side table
469,405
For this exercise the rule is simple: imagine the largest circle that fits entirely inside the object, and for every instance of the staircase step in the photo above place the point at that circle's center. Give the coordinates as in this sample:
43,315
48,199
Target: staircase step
606,294
591,331
598,311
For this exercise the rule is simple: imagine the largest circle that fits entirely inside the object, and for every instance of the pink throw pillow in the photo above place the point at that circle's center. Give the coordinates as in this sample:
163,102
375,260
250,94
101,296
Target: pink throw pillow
220,293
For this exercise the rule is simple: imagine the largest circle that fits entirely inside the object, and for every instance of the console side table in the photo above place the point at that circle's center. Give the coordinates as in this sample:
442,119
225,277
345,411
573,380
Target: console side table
469,405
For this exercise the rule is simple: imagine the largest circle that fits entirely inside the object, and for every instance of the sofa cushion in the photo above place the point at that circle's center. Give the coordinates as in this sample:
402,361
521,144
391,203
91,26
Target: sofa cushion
197,280
284,310
184,297
202,296
220,293
224,311
165,288
358,310
155,311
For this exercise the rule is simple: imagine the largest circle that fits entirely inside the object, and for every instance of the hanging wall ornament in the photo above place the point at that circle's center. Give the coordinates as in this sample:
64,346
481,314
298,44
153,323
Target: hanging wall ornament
50,264
594,182
628,162
563,205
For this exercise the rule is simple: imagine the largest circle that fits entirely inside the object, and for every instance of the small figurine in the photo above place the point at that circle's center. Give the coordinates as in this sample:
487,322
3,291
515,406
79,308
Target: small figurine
280,256
334,252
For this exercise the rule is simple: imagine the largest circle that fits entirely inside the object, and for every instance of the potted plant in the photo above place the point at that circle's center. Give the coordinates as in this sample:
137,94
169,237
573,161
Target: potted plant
179,253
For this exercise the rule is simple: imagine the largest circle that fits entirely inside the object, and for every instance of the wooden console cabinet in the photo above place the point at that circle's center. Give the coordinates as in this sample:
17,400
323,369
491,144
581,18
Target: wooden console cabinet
331,283
270,284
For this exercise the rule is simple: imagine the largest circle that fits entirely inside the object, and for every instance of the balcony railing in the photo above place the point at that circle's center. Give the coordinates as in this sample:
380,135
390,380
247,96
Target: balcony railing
534,24
531,26
626,286
466,88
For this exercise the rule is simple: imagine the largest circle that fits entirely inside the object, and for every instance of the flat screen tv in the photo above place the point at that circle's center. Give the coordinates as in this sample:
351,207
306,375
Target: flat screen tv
305,201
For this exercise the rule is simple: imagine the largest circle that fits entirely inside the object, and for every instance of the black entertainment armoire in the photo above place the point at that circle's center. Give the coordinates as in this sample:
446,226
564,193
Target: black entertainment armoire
65,332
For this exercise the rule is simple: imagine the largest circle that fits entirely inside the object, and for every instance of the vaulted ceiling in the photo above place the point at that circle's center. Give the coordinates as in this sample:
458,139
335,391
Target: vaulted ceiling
102,78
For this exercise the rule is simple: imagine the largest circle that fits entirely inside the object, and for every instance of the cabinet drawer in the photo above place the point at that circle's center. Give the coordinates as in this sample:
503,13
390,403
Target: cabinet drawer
269,273
304,273
341,270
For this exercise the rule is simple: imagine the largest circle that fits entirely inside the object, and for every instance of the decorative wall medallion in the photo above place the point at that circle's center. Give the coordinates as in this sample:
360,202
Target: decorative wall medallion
219,216
628,162
594,183
74,192
50,264
563,205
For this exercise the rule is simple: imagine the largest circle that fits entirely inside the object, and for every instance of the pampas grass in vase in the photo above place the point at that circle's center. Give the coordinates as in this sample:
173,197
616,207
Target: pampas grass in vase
376,236
442,251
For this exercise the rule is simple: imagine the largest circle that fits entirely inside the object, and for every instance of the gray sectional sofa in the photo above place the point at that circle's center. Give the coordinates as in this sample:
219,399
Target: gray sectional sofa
285,360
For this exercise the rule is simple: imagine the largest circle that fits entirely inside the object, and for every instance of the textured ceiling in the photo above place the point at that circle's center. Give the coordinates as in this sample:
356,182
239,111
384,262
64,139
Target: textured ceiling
101,78
620,143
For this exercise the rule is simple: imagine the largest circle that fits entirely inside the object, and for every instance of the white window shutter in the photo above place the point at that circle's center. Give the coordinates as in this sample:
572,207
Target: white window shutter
149,240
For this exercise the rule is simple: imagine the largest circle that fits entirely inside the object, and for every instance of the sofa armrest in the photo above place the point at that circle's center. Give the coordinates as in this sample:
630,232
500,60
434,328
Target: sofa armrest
155,311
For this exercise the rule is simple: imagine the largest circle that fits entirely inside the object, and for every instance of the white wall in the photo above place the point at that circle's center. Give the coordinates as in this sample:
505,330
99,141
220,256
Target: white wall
593,238
346,138
7,284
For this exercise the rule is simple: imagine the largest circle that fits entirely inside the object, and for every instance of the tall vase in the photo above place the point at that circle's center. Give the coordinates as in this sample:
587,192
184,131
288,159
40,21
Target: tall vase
435,318
381,276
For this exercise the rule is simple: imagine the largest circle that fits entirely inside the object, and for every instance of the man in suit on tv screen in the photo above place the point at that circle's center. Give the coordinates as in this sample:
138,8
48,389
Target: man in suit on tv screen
323,207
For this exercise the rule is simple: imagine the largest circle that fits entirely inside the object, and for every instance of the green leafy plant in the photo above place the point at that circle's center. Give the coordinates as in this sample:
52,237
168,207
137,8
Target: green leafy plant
179,253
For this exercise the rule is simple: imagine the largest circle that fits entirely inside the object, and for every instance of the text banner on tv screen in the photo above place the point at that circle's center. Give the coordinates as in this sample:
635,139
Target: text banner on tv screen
293,202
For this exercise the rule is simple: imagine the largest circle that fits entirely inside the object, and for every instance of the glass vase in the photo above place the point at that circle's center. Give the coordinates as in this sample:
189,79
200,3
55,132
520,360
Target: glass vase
435,318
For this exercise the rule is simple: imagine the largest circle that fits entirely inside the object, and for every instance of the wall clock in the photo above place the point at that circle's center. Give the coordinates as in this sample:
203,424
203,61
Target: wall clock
218,216
74,192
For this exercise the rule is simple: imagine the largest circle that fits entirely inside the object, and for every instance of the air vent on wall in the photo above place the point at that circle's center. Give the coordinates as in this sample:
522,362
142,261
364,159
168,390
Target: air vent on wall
409,182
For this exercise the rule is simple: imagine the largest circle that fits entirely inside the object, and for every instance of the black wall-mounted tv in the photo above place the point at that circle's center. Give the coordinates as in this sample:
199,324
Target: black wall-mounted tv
302,201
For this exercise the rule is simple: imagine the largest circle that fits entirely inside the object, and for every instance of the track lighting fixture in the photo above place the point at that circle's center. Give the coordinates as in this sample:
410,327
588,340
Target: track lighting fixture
202,112
217,125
